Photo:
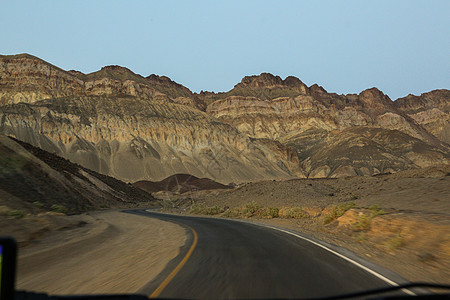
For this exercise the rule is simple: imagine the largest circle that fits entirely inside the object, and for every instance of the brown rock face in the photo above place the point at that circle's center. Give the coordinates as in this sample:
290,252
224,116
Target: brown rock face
431,110
24,78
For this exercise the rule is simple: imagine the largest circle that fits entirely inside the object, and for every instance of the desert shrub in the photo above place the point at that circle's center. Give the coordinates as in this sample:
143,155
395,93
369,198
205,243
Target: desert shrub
394,243
58,208
363,223
206,210
166,204
16,213
251,209
232,213
271,212
337,211
196,208
293,213
229,213
361,237
375,210
38,204
212,210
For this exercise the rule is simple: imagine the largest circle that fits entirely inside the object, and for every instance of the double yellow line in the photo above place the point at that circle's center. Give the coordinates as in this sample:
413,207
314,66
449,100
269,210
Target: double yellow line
166,281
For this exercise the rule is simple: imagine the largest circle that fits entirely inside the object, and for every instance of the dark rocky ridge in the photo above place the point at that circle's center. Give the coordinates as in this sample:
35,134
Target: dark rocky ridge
32,179
180,183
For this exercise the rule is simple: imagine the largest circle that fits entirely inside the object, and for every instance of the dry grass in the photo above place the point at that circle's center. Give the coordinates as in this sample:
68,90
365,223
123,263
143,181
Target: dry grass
293,213
206,210
364,221
16,213
59,208
394,243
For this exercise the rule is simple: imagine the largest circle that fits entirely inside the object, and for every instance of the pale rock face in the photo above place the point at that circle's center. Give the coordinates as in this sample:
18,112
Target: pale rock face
435,121
343,171
350,116
397,122
320,172
270,118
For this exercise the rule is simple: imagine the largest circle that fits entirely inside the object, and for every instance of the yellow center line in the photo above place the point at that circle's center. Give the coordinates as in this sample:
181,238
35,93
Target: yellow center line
166,281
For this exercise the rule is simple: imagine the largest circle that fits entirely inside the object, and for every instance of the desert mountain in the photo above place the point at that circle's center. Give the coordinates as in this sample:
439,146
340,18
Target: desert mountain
127,126
265,106
148,128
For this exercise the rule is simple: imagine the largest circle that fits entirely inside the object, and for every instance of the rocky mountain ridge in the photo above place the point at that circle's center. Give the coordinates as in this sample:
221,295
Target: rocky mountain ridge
148,128
45,81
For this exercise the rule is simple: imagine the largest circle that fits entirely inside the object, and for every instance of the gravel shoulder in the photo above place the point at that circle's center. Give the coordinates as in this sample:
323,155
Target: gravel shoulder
113,252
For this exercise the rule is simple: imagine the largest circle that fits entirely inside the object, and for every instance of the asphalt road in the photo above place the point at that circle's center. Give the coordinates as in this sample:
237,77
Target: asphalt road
228,259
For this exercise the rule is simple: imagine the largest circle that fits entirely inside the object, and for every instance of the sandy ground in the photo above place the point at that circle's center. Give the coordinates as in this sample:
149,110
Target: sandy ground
113,252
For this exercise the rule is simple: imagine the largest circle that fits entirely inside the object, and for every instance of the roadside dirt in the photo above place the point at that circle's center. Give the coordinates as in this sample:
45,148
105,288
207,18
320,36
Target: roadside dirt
111,252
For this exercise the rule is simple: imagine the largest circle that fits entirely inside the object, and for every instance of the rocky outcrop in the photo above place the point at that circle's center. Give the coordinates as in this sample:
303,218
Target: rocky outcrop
431,110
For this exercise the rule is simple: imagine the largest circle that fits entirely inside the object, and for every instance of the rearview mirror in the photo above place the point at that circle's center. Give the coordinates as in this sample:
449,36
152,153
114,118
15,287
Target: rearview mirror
8,252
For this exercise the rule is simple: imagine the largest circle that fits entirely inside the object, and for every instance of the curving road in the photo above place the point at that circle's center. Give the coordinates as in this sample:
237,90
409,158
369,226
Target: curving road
230,259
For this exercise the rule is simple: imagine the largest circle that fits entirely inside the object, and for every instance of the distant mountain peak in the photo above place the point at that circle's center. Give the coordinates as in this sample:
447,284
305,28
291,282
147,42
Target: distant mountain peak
117,68
268,80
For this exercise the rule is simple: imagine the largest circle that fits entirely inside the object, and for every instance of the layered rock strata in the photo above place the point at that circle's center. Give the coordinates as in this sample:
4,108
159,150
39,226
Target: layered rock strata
148,128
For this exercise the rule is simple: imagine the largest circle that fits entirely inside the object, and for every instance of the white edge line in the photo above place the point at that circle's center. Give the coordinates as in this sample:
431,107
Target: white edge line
378,275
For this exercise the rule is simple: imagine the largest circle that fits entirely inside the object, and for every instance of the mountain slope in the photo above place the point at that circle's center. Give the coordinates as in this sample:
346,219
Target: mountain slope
431,110
127,126
32,179
362,151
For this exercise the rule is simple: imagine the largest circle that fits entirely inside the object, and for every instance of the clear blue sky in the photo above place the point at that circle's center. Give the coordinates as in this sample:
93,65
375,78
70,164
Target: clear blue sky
401,47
